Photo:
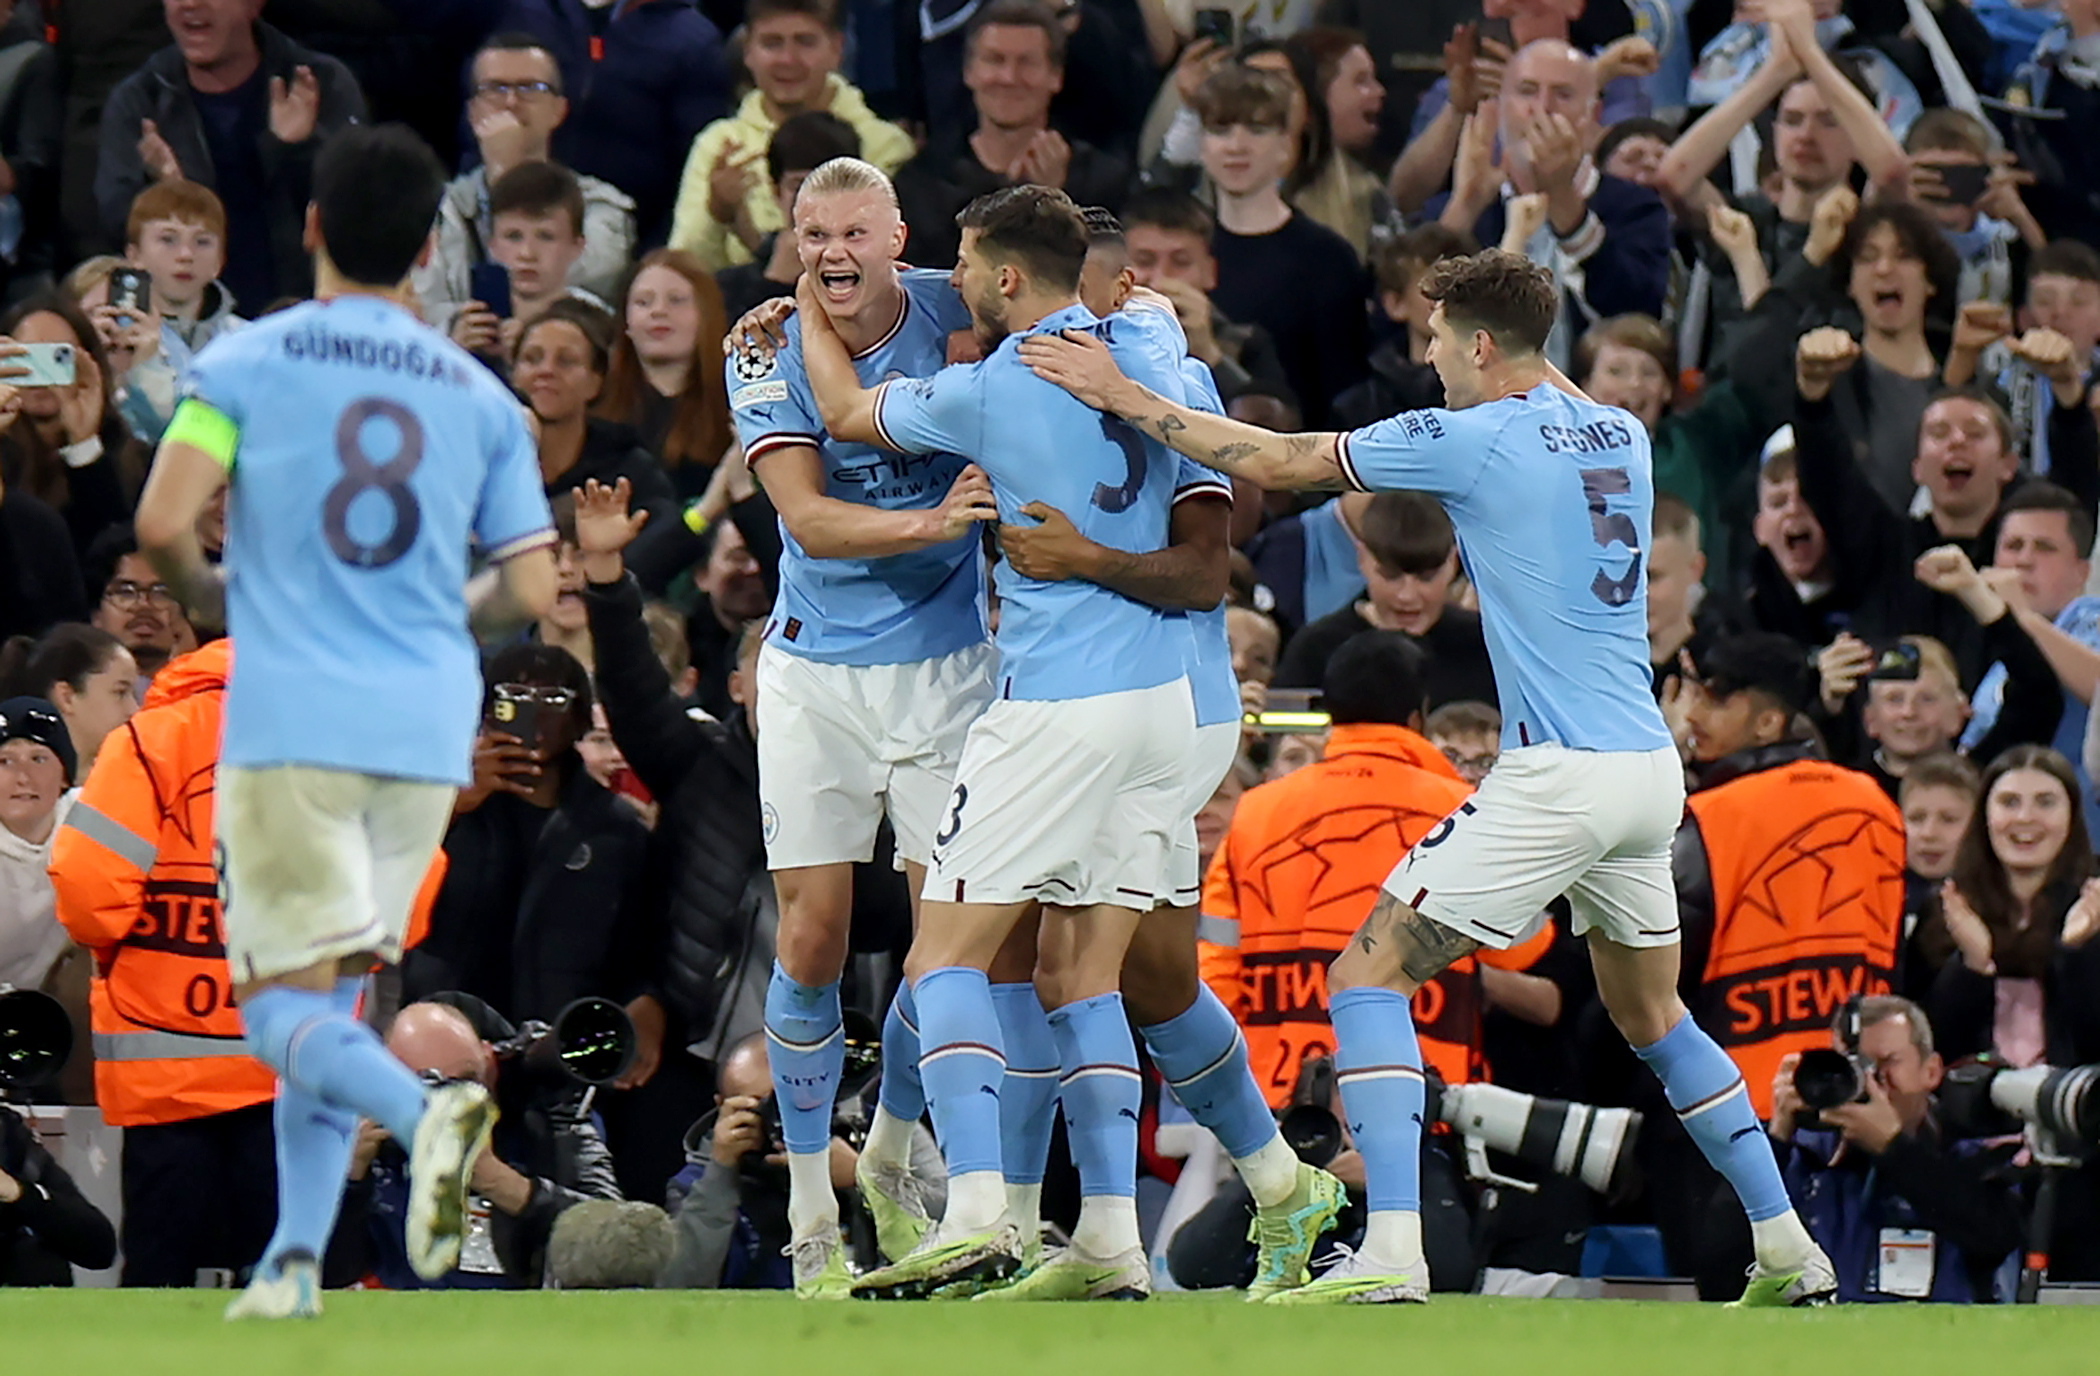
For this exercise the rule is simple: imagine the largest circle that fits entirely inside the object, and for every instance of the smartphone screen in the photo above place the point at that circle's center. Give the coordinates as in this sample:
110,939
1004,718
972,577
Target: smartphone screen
130,293
489,283
1216,25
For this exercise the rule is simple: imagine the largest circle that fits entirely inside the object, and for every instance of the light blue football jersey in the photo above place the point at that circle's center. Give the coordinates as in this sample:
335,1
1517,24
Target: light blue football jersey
1036,442
1214,686
1552,497
900,608
372,453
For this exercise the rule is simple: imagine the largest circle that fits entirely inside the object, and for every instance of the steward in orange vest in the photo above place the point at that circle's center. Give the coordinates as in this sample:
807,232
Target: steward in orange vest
138,887
1789,869
1297,874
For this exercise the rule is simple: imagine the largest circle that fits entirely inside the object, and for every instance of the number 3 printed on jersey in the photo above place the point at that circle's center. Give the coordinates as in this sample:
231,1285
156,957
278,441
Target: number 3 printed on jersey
1124,437
362,475
1612,528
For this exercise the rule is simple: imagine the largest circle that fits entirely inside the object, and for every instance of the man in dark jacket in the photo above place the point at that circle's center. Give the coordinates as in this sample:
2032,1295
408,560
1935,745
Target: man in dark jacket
47,1227
704,774
643,77
1904,1212
548,894
235,105
1617,233
1966,461
1015,65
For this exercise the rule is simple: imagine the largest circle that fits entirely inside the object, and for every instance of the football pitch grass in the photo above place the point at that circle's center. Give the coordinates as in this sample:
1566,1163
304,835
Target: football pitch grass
105,1333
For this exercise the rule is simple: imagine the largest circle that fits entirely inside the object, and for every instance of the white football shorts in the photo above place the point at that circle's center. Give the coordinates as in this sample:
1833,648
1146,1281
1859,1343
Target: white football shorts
1594,825
838,744
319,864
1071,803
1217,746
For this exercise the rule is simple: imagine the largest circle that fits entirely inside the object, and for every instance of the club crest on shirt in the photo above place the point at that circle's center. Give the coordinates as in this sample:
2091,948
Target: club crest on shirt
769,824
749,365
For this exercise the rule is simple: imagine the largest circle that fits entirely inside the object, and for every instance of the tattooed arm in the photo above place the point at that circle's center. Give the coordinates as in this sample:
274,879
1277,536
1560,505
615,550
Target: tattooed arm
1083,366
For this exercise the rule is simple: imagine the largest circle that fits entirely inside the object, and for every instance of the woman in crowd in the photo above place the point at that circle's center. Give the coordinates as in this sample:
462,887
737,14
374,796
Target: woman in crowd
1336,70
83,671
36,792
2016,970
68,446
560,368
666,378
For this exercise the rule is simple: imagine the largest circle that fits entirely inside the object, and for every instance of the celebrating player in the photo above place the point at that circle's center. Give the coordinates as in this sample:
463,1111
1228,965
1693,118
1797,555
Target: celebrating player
876,660
1070,783
1551,495
365,452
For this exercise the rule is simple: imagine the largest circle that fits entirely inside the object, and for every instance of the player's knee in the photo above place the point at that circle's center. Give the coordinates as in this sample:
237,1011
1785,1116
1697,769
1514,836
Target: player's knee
1159,980
1644,1020
816,913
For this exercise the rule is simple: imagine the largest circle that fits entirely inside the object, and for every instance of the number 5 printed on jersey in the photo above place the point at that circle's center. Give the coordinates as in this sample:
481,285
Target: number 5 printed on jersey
361,475
1612,528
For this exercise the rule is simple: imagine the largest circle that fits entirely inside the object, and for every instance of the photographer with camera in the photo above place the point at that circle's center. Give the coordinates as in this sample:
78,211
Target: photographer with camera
730,1203
1905,1211
46,1226
547,1154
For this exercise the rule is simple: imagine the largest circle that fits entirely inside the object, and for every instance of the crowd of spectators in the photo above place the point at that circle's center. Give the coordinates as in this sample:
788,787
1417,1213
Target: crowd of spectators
1841,260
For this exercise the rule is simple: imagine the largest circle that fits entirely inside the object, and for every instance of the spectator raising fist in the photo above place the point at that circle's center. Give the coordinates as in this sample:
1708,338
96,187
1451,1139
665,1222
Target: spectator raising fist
1820,358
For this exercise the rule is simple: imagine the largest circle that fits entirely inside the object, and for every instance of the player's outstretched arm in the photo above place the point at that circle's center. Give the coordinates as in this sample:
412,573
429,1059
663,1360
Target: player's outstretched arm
847,407
191,466
1083,366
828,528
1190,574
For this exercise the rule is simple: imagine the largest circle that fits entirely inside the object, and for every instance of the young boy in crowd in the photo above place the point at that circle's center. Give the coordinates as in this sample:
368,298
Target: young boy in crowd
1979,208
177,233
1938,796
2063,294
1401,378
536,210
1469,734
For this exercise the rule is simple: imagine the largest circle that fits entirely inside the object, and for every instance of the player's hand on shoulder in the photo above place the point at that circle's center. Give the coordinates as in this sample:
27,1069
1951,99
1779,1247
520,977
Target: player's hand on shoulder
1820,358
604,524
1079,363
760,332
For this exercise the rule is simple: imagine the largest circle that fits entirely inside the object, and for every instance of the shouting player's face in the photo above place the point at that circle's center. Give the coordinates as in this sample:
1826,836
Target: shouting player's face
849,241
1456,360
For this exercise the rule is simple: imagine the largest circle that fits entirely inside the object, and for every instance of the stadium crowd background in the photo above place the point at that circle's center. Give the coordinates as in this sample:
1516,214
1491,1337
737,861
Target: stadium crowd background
1857,307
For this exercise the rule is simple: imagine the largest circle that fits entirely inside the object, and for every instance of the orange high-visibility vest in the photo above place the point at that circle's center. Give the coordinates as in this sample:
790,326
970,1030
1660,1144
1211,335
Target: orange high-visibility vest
1298,873
137,886
1806,862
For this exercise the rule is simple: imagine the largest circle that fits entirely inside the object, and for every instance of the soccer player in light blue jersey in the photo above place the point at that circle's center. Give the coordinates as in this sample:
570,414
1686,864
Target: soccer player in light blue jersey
877,658
1070,782
1552,497
365,455
1190,1034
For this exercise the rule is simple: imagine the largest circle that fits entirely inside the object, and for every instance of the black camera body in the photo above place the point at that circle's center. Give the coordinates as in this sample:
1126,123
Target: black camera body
1827,1077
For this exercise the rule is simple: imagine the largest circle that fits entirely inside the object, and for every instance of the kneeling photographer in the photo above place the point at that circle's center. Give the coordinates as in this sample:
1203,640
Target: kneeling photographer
1905,1211
730,1203
546,1156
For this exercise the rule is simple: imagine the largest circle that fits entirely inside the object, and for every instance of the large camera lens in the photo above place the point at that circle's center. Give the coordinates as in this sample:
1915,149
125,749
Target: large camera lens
1312,1132
595,1040
35,1037
1825,1078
